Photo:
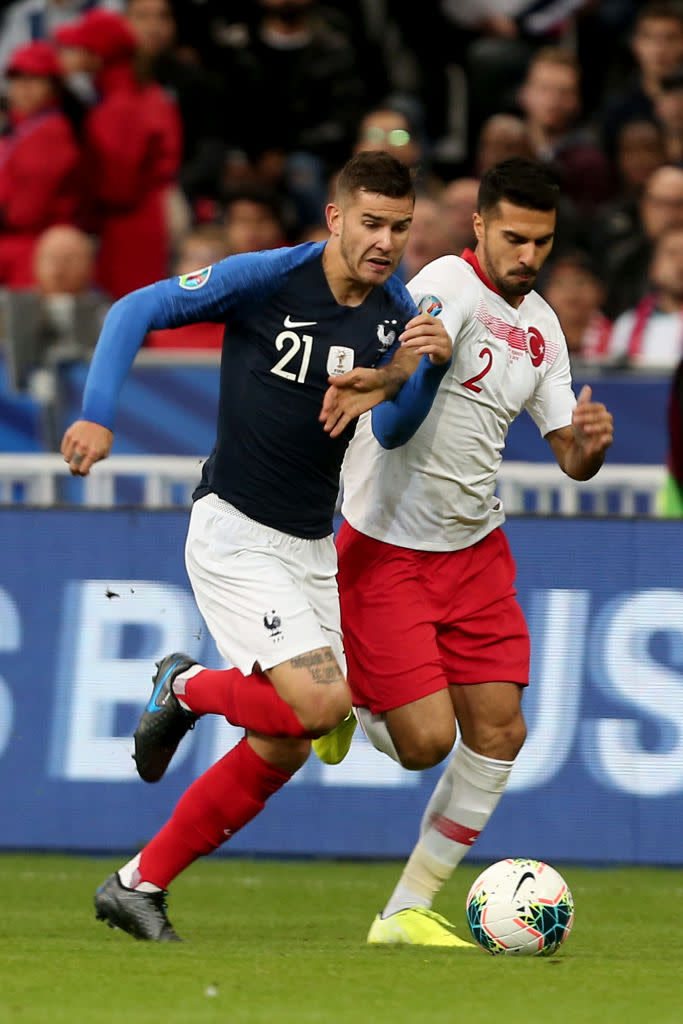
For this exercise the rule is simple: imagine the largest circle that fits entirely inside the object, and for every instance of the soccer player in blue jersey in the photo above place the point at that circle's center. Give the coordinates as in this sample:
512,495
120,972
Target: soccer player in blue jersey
259,552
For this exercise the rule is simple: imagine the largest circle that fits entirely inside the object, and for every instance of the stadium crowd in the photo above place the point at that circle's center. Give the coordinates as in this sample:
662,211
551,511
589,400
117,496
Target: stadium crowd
174,132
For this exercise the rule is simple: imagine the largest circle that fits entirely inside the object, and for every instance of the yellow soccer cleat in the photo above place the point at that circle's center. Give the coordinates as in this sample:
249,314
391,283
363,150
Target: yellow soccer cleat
334,746
415,926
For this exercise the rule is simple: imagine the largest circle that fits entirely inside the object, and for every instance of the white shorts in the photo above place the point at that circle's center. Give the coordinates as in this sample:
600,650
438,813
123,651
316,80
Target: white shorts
265,596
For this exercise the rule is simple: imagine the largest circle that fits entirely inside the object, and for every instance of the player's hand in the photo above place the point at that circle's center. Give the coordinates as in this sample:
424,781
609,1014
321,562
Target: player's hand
426,335
593,425
349,396
84,444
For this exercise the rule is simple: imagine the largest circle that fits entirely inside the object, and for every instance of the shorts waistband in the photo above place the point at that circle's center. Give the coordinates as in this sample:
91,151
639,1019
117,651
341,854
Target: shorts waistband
224,506
213,501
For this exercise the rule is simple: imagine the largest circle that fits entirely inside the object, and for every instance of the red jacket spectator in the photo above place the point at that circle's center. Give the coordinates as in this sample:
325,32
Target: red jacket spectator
132,150
38,162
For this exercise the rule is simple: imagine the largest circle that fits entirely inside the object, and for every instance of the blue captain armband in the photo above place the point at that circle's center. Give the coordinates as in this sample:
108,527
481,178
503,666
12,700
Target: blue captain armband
394,422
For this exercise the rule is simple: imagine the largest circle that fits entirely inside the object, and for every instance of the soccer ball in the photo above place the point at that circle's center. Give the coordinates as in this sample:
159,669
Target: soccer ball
520,907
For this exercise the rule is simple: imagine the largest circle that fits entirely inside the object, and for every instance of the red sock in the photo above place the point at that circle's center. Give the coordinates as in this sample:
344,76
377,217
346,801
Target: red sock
216,805
250,701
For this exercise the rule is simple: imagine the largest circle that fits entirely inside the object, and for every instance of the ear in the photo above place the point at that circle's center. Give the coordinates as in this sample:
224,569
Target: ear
334,218
478,224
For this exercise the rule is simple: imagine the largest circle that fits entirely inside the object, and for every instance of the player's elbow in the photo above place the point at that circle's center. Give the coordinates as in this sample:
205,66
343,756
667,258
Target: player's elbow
389,441
387,435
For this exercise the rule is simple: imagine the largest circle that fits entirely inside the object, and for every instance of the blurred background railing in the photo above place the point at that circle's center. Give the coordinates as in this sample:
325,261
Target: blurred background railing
167,481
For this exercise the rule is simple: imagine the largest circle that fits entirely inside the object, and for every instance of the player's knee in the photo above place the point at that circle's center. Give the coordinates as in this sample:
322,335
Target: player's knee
516,735
502,740
297,753
286,753
323,712
510,738
424,748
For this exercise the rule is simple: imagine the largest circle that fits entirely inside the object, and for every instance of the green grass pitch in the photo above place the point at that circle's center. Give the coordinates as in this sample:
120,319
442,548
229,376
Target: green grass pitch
284,943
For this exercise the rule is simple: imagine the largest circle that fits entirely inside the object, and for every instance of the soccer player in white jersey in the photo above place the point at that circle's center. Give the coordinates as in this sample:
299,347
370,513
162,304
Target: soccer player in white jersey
432,629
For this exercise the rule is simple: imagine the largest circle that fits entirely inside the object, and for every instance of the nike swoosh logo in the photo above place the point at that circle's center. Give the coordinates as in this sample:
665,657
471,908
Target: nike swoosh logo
153,706
520,883
299,323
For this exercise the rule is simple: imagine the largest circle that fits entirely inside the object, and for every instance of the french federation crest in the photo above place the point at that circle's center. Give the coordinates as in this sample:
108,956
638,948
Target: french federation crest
197,279
386,335
430,304
273,624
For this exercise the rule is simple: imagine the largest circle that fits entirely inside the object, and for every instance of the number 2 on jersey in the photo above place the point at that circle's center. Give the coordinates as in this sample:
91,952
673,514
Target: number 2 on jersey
294,346
471,384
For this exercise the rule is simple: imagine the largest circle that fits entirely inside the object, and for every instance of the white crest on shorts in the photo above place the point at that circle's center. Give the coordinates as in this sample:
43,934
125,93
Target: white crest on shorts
273,623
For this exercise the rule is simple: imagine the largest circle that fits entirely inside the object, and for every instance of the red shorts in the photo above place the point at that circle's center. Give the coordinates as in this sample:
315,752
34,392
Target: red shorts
416,621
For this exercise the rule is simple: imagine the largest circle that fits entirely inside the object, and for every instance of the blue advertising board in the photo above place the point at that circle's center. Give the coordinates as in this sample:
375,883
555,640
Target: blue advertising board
173,409
89,600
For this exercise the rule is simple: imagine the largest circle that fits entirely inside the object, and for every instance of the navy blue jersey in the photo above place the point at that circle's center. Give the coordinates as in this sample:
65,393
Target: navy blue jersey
285,334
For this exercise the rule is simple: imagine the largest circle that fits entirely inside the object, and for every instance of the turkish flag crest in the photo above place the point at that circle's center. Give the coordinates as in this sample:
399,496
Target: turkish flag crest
536,343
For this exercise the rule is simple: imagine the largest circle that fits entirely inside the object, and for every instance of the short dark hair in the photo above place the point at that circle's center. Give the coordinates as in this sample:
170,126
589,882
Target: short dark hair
658,10
521,182
577,259
254,193
559,56
378,172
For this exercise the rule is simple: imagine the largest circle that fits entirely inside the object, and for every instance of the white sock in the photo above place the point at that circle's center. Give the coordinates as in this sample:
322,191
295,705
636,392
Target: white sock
129,876
375,728
180,681
439,799
464,799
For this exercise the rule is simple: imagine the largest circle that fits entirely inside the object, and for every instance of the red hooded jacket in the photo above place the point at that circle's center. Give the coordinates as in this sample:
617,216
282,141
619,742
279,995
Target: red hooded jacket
132,151
39,187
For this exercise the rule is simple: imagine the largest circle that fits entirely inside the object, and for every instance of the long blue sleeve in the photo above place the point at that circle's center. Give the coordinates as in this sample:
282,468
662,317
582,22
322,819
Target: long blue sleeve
123,332
208,294
394,422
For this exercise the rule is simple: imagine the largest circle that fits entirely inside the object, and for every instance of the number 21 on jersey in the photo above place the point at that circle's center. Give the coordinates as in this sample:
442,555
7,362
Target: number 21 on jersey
291,343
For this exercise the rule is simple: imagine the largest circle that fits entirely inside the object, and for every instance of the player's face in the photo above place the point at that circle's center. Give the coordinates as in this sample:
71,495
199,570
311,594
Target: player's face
372,231
513,243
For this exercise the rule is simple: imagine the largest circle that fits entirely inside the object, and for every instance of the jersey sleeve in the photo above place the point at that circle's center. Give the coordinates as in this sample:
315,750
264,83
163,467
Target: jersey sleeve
442,289
406,309
215,291
552,403
210,294
394,422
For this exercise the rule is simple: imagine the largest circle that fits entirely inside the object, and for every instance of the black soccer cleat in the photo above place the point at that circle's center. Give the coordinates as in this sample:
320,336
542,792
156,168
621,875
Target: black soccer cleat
163,723
141,914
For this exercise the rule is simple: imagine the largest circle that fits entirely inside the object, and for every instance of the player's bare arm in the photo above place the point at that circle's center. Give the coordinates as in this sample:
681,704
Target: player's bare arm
580,449
84,444
351,394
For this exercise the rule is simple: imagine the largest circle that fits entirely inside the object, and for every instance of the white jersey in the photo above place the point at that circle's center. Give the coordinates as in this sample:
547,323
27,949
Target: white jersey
660,345
437,491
